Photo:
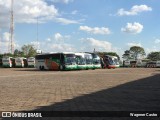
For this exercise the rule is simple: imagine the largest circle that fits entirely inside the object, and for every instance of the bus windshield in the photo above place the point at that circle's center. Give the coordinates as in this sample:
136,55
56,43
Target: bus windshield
70,59
111,62
115,61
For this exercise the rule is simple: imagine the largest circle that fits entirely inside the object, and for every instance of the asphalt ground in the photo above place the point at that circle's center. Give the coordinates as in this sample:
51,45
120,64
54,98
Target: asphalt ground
121,89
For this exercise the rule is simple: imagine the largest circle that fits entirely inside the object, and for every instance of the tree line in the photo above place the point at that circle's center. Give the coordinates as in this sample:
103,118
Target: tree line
133,53
25,51
136,52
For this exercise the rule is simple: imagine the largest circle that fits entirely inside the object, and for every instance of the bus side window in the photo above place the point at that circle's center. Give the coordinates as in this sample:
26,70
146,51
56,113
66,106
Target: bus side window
62,59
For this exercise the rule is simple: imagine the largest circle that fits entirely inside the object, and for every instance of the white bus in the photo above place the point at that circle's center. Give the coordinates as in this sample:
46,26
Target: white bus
31,62
158,64
56,61
84,61
142,63
8,62
96,60
80,60
20,62
116,61
126,63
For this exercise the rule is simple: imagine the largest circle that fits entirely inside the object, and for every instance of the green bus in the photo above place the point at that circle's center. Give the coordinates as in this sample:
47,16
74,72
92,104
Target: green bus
84,61
56,61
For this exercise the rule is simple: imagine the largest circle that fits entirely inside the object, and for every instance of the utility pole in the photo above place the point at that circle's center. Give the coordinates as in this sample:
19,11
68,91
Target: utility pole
11,28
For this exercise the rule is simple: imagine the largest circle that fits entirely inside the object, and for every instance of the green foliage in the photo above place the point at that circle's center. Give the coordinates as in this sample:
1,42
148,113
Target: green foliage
8,54
133,53
28,50
137,50
154,56
127,55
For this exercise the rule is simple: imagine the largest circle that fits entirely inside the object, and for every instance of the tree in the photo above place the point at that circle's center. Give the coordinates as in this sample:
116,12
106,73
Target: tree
127,55
137,51
28,50
154,56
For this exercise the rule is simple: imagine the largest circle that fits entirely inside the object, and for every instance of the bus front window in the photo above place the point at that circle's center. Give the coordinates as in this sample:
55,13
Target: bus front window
70,61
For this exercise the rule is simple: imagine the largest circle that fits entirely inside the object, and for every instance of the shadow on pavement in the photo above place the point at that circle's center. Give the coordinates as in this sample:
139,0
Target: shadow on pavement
139,95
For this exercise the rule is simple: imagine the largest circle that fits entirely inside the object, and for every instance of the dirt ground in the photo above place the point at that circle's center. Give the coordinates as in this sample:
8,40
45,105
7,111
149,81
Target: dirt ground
121,89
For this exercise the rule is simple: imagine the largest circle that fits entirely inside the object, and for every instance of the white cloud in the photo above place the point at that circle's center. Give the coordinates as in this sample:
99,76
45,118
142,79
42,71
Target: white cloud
57,43
58,37
6,37
74,12
133,28
27,11
134,10
5,43
56,47
62,1
134,44
62,47
95,30
91,44
157,41
66,21
153,49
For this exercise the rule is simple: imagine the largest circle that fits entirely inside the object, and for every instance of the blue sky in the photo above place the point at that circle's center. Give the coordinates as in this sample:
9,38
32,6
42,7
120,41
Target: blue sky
82,25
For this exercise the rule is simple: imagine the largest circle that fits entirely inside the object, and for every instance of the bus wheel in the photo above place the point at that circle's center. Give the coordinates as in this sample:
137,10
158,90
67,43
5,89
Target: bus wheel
41,67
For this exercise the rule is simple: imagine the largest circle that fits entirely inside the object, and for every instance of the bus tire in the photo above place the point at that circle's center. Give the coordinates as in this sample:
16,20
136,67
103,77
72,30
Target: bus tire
41,67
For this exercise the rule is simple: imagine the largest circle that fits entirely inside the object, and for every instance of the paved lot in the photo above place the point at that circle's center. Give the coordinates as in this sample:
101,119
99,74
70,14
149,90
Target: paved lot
121,89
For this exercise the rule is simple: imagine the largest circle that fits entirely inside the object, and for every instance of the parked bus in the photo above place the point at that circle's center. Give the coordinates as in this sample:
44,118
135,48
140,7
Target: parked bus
153,64
84,61
81,61
142,63
158,64
96,60
108,62
0,62
21,62
8,62
56,61
116,61
31,62
126,63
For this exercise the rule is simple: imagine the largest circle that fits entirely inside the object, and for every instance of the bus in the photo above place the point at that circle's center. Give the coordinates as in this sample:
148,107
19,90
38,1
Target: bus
108,62
80,61
153,64
126,63
116,61
0,62
56,61
8,62
142,63
158,64
21,62
31,62
84,61
96,60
